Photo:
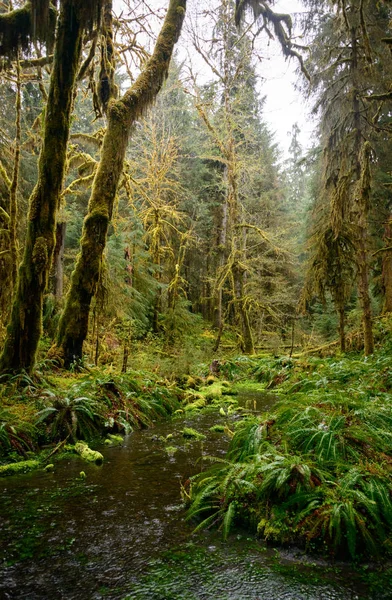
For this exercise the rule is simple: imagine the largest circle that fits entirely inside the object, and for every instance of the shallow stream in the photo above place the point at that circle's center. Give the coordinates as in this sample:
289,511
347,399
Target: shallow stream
120,532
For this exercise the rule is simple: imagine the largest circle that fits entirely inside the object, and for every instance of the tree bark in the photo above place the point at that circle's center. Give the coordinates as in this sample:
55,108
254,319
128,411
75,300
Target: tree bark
15,179
238,275
342,333
24,329
387,268
122,115
221,250
5,255
362,205
58,261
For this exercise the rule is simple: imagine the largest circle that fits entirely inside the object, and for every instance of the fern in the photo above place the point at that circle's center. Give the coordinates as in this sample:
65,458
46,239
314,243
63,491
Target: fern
228,519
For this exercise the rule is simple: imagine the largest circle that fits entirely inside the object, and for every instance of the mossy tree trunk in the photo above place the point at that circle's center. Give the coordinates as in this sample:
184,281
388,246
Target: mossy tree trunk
342,332
387,267
247,337
15,179
362,203
122,115
5,265
221,254
58,261
24,329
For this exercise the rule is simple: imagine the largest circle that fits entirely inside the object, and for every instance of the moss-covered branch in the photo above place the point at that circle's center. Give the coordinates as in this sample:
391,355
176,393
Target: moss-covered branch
122,115
280,22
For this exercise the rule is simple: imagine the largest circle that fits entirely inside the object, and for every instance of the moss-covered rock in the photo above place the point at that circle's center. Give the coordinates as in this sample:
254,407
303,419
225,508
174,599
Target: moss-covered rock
197,405
87,454
229,392
191,383
217,429
113,439
19,467
190,433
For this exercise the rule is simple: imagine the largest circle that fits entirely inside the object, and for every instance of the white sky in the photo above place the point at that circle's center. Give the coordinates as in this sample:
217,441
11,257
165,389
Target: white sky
284,105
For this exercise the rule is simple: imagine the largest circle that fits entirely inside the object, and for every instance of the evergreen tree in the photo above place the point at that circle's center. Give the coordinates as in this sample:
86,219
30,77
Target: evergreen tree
343,78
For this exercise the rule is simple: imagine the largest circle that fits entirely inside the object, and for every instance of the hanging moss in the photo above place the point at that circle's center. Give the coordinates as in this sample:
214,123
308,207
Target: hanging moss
89,13
15,31
280,22
43,21
35,21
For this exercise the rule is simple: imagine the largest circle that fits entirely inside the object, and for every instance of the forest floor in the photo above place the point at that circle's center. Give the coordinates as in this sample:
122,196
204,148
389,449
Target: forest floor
323,447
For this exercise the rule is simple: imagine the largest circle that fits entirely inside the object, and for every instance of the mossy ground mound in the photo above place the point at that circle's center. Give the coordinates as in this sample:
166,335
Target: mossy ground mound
38,412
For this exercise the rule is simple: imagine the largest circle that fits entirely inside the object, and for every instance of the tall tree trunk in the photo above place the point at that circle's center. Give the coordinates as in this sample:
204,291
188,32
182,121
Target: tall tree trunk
24,329
363,177
122,115
387,267
342,323
5,255
238,276
218,295
362,251
221,252
363,290
58,261
15,179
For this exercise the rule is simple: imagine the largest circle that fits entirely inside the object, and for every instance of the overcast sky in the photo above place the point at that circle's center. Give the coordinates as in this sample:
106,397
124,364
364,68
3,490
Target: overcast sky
284,105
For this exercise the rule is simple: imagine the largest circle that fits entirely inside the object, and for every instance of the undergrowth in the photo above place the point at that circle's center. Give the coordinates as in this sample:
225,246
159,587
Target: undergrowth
38,412
316,470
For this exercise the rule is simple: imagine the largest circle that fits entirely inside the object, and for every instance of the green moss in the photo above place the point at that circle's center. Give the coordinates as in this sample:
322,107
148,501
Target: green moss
191,383
87,454
40,254
217,428
229,392
198,403
114,439
190,433
19,467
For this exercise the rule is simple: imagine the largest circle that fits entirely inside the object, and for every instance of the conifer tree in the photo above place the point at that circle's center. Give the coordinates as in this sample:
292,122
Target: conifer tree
343,77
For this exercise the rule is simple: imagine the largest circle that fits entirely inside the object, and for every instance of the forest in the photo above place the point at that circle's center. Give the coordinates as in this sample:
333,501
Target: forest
195,324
